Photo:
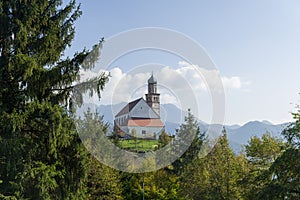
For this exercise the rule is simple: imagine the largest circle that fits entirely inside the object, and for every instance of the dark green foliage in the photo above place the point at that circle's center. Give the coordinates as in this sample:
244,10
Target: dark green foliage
103,182
261,153
159,185
189,131
284,177
163,139
292,132
284,174
216,176
38,157
41,155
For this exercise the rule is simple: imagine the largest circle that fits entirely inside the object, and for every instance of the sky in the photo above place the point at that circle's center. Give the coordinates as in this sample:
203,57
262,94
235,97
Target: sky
255,46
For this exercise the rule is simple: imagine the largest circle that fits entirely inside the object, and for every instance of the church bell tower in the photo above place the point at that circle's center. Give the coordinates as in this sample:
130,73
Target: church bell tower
152,98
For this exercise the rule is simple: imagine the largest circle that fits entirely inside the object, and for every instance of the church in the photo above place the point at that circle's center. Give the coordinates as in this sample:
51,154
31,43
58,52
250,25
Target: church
141,117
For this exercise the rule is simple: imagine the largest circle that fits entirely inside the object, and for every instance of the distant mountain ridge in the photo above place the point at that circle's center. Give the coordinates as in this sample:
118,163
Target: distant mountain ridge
237,135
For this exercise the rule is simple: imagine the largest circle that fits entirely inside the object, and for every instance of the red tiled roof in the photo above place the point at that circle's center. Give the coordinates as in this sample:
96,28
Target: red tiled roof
145,122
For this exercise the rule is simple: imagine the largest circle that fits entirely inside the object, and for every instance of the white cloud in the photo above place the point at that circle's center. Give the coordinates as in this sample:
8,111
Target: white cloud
177,86
202,78
232,82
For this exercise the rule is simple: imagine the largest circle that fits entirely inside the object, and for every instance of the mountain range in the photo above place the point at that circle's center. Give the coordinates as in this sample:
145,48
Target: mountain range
238,136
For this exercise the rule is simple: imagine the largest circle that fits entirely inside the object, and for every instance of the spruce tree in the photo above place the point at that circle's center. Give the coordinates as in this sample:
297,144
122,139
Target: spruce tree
188,136
216,176
41,155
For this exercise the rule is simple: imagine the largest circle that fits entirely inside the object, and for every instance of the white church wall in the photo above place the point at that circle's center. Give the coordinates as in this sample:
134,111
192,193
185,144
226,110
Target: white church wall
146,132
122,119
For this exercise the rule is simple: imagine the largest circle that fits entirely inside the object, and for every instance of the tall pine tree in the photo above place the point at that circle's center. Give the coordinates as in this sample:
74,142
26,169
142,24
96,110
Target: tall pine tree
41,155
188,136
216,176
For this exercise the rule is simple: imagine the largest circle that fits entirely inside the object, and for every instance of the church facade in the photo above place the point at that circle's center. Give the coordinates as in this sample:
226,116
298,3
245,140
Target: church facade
141,117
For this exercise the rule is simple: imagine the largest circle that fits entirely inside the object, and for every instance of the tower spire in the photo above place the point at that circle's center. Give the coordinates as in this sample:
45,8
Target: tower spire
152,98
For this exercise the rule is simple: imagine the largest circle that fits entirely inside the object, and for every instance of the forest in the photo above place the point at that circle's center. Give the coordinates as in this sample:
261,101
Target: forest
43,157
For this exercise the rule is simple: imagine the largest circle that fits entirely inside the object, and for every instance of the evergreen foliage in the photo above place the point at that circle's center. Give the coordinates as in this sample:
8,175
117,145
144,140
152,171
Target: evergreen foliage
163,139
216,176
40,152
188,136
284,173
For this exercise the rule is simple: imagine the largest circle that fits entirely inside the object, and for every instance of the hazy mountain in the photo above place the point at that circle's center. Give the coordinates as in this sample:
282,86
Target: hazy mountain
173,117
171,113
266,122
239,136
109,111
235,126
254,128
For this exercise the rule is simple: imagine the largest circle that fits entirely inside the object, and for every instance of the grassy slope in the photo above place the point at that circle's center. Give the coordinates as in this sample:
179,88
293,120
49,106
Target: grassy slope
139,145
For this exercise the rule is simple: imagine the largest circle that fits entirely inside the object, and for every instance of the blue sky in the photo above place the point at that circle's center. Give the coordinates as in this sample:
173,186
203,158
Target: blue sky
256,41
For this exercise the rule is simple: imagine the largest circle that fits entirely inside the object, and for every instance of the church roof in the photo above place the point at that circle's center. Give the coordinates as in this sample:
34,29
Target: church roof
128,107
152,79
145,122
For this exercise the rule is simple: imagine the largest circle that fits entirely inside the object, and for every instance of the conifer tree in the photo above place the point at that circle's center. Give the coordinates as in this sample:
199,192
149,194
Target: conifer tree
103,182
163,139
188,136
261,153
284,174
216,176
41,156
